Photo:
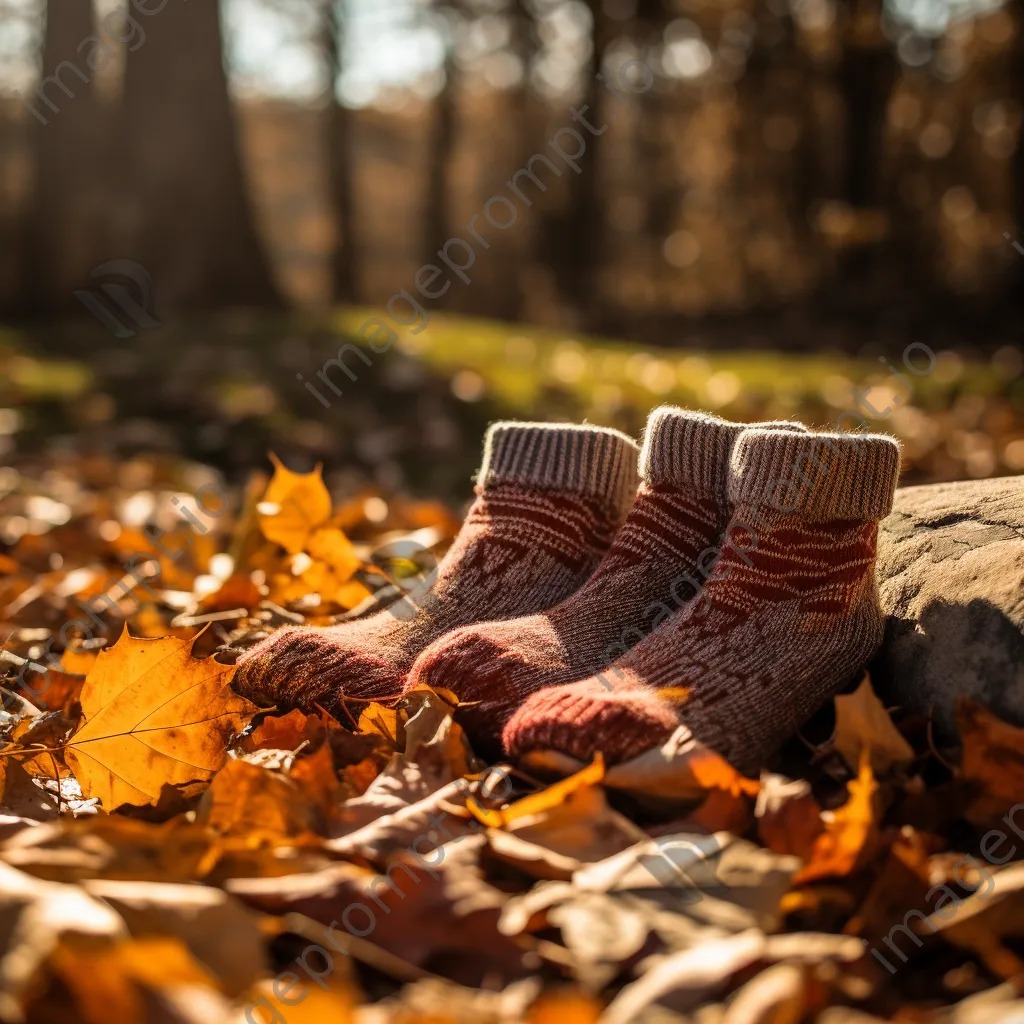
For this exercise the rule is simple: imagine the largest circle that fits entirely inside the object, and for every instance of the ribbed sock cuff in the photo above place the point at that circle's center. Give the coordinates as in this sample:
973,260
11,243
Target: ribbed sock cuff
693,450
817,476
597,461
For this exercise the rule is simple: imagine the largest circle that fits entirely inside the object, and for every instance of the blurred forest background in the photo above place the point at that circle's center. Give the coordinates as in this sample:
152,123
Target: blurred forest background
808,186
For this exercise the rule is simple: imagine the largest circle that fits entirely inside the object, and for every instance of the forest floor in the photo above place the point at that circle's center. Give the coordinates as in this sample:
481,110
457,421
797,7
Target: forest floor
170,852
225,390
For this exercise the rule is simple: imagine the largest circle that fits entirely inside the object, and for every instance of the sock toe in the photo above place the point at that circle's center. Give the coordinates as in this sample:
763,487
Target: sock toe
498,663
303,667
583,718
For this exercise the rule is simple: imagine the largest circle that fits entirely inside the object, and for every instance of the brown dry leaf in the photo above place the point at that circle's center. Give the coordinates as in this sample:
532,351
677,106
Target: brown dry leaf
248,801
681,770
286,732
111,981
41,738
433,819
985,918
717,880
788,816
237,591
427,906
34,916
294,505
219,932
993,762
59,690
863,723
689,979
433,739
546,800
20,796
535,861
902,882
850,835
154,716
571,819
778,995
114,845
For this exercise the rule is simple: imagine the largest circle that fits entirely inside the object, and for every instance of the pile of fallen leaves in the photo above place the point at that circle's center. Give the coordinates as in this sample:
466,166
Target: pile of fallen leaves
170,852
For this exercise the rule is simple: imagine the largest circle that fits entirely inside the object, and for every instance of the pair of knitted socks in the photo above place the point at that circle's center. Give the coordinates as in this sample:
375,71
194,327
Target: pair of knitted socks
733,591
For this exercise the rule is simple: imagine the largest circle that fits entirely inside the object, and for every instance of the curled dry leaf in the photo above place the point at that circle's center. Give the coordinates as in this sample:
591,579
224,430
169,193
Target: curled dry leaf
571,818
851,833
862,723
286,732
718,880
43,739
788,816
994,912
992,762
682,770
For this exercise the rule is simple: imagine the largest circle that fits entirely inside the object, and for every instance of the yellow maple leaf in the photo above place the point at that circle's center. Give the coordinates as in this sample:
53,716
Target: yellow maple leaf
154,715
293,507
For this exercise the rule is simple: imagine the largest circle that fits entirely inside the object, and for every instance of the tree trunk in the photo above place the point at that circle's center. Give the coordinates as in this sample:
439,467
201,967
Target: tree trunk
340,165
437,211
60,222
1016,280
187,216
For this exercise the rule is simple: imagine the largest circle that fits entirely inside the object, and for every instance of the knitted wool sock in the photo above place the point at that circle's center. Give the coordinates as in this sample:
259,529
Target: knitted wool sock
657,562
549,499
788,616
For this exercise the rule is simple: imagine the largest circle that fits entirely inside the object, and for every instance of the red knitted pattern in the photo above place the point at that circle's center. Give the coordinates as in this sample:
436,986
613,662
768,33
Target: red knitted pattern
777,630
495,666
520,550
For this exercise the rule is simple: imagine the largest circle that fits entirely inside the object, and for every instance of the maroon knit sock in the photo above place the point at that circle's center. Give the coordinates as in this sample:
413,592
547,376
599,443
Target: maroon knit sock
549,500
658,561
789,615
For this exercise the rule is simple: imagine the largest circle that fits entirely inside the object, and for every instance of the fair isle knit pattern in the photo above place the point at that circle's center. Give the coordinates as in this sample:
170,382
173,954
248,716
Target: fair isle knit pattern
657,562
789,615
549,499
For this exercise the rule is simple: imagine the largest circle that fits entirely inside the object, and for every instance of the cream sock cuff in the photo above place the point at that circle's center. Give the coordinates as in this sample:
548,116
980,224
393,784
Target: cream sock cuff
817,476
596,461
